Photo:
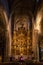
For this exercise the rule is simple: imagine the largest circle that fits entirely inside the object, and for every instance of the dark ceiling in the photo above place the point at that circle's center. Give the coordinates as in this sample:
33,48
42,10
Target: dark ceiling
24,4
11,2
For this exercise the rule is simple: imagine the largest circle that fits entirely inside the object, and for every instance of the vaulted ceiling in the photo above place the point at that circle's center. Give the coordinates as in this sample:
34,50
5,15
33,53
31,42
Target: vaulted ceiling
24,4
21,6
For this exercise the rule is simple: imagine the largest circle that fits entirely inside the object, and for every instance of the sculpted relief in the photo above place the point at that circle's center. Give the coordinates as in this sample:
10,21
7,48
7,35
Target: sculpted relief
21,36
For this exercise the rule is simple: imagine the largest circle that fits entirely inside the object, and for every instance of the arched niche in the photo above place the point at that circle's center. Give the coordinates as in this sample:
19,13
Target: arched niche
4,35
22,29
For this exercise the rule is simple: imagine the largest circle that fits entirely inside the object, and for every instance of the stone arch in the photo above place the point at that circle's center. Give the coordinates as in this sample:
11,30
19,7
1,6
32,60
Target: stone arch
37,32
18,15
29,14
39,22
39,17
6,30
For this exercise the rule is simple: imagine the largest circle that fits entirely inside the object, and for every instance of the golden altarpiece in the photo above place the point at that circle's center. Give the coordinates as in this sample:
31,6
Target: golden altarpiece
21,43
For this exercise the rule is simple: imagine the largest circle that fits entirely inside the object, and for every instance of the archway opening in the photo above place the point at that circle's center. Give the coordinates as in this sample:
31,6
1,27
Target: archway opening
2,39
4,36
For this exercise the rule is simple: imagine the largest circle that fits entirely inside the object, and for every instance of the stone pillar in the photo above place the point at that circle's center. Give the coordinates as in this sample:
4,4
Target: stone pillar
8,45
6,57
35,43
35,46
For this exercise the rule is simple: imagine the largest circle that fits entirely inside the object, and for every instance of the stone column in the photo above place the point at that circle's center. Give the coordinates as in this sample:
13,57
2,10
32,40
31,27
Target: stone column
35,43
6,57
35,46
8,45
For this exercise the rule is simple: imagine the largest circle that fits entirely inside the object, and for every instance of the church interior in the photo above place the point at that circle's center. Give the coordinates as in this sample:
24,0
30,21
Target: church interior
21,30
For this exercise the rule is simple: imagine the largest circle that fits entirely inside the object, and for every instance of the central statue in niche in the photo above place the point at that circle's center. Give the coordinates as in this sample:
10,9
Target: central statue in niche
21,38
